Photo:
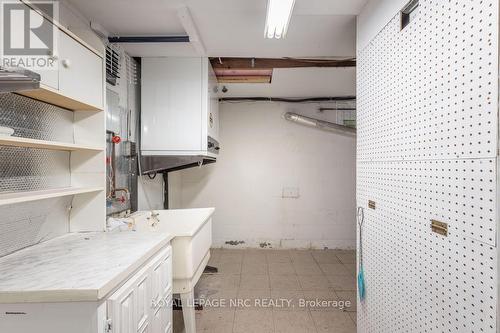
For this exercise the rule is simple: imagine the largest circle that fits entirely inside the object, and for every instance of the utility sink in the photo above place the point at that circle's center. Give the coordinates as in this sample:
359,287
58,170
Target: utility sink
192,231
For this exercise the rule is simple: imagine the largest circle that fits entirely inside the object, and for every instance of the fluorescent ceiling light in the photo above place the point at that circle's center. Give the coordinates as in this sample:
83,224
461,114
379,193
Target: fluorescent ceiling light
278,16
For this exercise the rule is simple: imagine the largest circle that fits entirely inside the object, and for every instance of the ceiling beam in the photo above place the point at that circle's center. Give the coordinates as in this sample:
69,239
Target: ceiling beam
189,26
259,63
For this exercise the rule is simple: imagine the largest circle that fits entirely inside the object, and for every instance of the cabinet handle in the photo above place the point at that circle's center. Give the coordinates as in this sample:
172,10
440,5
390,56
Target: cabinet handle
66,63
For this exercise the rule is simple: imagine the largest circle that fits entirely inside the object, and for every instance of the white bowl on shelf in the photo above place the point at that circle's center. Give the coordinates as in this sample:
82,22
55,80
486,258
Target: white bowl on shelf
6,131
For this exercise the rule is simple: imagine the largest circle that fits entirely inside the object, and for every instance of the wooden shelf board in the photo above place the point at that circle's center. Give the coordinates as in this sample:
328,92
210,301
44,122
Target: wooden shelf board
17,197
43,144
52,96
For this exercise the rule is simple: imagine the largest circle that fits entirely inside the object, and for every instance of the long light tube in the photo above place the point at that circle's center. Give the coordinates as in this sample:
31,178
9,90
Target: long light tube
278,17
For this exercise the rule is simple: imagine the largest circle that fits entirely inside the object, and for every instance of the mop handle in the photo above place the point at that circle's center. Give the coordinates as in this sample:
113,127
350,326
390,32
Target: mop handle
361,218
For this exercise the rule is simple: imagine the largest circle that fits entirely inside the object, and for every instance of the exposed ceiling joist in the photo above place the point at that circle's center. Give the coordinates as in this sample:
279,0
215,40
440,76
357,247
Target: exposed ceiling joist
269,63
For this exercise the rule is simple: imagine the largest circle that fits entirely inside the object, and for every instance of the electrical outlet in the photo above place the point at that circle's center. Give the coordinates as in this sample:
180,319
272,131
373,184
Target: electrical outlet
290,192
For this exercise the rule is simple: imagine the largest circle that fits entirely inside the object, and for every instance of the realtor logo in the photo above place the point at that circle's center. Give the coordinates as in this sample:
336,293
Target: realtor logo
28,39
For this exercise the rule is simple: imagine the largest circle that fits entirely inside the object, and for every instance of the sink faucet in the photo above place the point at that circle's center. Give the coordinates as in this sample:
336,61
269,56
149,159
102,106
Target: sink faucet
155,217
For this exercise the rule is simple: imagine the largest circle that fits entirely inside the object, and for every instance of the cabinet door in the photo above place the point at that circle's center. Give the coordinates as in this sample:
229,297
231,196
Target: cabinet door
146,328
143,291
48,77
162,319
121,309
80,72
162,277
140,305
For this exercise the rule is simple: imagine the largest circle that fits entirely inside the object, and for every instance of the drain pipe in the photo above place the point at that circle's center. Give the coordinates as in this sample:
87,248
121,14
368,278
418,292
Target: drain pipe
321,124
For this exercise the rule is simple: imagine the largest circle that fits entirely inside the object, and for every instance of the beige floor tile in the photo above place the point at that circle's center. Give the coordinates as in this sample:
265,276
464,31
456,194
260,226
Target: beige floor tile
254,282
350,296
308,268
325,257
351,268
347,257
284,282
214,257
219,282
228,268
256,258
313,282
254,299
281,268
215,321
354,317
293,322
231,257
335,269
342,282
302,257
254,268
293,300
321,300
258,321
274,278
278,256
333,322
215,300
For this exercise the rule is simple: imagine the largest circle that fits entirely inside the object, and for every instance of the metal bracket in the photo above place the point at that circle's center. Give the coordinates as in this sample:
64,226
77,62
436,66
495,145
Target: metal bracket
439,227
371,204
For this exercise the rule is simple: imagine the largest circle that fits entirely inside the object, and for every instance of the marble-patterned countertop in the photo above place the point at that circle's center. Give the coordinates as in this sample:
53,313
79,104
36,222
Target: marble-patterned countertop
76,266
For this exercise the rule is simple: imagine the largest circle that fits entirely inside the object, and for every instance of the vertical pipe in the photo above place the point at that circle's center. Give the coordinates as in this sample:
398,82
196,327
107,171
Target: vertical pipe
165,190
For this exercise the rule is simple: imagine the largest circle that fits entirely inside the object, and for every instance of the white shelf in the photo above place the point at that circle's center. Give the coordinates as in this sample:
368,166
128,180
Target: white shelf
52,96
17,197
43,144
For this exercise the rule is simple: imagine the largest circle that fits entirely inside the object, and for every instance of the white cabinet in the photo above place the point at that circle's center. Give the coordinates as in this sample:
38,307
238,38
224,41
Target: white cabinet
79,67
143,304
77,83
179,107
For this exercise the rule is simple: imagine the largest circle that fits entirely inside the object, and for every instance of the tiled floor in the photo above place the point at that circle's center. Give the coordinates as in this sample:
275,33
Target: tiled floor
266,290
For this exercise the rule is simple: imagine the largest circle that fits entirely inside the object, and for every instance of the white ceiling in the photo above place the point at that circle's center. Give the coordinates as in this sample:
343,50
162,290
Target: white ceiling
231,27
298,82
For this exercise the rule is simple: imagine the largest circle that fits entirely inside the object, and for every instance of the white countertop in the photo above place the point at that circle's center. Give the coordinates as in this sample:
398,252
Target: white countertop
76,266
177,222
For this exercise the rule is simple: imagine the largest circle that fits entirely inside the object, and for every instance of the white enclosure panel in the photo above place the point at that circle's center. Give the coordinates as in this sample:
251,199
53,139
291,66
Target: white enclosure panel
458,192
426,149
430,91
171,104
419,281
213,104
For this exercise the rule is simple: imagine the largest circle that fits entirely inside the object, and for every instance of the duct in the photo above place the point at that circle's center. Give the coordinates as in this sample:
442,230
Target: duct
320,124
149,39
18,79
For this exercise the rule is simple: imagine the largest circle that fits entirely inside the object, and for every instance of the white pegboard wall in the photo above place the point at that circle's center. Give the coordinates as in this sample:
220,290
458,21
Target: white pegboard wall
427,118
422,282
459,192
430,91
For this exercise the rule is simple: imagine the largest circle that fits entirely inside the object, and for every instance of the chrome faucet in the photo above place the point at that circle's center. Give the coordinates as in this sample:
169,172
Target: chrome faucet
155,217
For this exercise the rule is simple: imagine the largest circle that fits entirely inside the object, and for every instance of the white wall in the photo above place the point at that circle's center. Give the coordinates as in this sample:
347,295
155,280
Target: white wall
261,154
150,192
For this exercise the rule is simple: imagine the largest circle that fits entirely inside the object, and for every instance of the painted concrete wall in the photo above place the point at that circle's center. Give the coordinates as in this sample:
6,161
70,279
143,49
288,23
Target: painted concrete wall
263,154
